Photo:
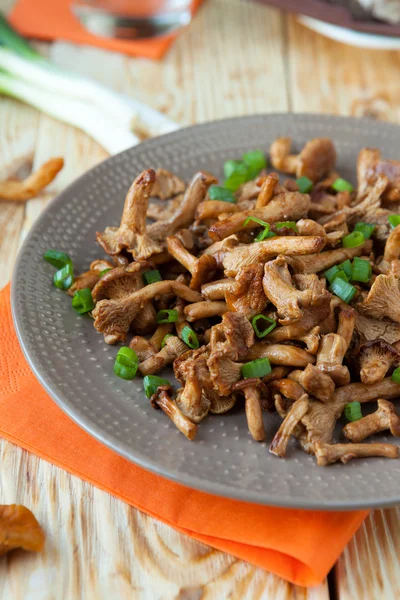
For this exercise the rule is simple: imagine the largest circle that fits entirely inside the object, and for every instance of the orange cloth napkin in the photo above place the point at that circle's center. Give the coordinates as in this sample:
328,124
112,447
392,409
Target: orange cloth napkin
54,20
300,546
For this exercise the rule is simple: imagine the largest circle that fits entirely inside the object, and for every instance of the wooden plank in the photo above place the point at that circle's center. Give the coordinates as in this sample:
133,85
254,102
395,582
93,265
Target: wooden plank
229,62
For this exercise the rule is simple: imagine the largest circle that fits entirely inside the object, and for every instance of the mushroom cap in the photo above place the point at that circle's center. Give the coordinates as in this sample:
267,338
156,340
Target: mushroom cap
119,282
100,264
221,404
388,408
383,299
167,185
375,357
316,159
204,271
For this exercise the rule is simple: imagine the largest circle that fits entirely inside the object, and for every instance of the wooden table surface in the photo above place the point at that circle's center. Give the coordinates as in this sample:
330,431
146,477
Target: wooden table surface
236,58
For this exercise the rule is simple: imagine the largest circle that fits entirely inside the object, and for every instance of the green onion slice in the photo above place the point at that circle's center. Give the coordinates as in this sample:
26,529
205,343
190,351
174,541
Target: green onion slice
394,220
152,276
255,160
347,268
396,375
264,234
256,368
331,273
362,270
341,185
57,259
151,383
288,224
126,363
104,271
367,229
165,339
234,181
167,315
352,411
353,240
190,337
64,277
343,289
216,192
235,166
262,319
304,184
82,301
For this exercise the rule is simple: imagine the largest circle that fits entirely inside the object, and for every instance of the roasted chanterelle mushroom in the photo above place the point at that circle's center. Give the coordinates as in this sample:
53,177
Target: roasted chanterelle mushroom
271,294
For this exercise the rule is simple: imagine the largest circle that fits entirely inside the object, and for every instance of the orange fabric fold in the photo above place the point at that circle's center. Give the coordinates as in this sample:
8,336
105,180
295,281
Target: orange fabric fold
55,20
300,546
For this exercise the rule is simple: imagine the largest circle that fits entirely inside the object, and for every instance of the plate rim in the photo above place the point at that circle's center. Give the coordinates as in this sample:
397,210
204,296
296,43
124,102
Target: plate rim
96,432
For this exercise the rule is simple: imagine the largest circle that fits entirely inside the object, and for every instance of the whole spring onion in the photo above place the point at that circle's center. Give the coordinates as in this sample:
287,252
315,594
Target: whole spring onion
82,301
267,325
167,315
126,363
190,337
352,411
256,368
216,192
151,383
341,185
394,220
361,271
287,224
353,240
367,229
57,259
152,276
304,184
63,278
343,289
396,375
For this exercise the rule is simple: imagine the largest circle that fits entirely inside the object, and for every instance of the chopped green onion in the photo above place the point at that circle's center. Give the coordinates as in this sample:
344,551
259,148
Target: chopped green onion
82,301
288,224
264,234
304,184
341,185
190,337
396,375
167,315
151,383
235,166
343,289
234,181
271,234
104,271
353,240
347,268
152,276
362,270
64,277
126,363
216,192
263,332
331,273
256,368
255,220
367,229
394,220
255,160
57,259
341,275
352,411
165,339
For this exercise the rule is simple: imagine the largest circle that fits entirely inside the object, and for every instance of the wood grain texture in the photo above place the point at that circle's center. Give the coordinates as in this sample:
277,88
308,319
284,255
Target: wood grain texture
98,547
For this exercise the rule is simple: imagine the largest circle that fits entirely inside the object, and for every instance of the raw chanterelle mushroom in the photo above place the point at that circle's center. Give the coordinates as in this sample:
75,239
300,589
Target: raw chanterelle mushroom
233,290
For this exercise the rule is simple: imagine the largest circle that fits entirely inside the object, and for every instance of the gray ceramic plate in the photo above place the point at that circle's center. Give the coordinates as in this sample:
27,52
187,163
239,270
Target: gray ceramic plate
75,366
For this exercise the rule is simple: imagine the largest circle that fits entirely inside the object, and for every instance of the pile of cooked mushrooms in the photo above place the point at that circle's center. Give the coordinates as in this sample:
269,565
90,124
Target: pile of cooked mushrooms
281,295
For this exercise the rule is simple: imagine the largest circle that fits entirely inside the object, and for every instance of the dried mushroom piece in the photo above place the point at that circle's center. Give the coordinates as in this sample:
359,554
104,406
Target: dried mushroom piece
19,529
382,419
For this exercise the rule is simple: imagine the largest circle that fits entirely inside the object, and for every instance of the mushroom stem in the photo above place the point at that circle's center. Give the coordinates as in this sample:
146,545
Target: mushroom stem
280,354
267,190
173,348
383,418
202,269
281,438
204,310
313,263
254,416
162,400
346,324
215,290
364,393
330,453
179,252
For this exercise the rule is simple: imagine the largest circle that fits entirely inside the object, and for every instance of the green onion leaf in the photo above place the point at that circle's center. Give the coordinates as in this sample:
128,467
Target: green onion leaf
126,363
216,192
341,185
347,268
152,276
288,224
64,277
82,301
255,220
304,184
165,339
394,220
151,383
264,234
167,315
256,368
367,229
353,240
352,411
234,181
396,375
104,271
342,288
331,273
255,160
57,259
362,270
260,333
190,337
